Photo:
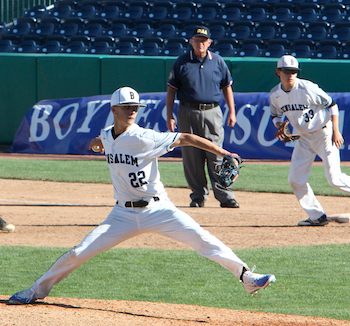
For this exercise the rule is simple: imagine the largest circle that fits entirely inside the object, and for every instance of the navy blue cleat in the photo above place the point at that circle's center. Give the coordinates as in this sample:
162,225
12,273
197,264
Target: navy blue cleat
23,297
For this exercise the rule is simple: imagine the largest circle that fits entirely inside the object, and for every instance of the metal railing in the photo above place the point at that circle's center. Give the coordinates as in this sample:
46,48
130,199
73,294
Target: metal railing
12,9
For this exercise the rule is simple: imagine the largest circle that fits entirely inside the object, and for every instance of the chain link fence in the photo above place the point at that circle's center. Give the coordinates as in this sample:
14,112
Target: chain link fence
12,9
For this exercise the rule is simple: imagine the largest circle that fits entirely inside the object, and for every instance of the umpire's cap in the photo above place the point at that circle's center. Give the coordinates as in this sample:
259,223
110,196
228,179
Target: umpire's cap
126,96
201,31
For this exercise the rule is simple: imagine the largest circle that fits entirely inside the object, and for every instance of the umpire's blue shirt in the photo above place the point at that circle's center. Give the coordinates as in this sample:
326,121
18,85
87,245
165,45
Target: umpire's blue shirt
199,82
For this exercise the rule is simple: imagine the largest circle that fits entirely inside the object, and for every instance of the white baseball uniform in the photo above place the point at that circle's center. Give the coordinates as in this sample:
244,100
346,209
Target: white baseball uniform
306,108
132,159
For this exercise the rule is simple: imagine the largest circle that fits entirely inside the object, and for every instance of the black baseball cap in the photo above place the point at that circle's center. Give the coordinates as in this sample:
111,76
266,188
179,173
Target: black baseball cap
201,31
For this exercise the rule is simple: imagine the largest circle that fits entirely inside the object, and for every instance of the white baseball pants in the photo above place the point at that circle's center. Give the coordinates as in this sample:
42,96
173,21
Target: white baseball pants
160,217
303,156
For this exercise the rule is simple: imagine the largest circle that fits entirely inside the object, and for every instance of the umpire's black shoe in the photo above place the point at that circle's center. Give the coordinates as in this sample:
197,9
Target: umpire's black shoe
230,204
197,203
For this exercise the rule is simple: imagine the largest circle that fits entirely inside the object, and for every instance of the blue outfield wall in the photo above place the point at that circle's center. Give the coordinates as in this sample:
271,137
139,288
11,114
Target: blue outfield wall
66,126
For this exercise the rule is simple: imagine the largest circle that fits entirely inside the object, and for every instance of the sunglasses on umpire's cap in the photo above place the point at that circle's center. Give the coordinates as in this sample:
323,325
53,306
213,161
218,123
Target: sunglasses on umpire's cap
201,31
126,96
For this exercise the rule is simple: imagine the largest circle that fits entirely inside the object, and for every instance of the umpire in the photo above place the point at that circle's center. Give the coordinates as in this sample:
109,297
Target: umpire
199,78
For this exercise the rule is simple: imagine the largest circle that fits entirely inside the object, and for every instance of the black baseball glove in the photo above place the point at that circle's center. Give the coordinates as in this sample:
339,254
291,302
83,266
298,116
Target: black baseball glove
229,170
283,133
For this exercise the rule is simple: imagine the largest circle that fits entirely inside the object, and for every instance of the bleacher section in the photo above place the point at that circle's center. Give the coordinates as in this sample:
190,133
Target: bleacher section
260,28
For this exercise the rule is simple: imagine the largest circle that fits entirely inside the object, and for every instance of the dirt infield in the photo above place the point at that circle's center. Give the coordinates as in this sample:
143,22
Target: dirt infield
264,220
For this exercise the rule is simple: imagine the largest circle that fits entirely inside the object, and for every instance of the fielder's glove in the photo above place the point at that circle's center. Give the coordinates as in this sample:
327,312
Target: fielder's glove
283,133
229,170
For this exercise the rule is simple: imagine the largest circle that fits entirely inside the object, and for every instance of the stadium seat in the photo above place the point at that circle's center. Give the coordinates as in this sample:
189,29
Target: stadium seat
95,3
85,12
173,49
326,52
149,49
68,29
51,46
292,30
241,30
317,31
21,28
183,11
142,30
91,29
249,50
274,51
225,50
117,30
166,31
37,11
302,51
44,28
26,46
6,46
231,11
159,10
340,31
256,14
125,48
108,12
61,11
266,30
133,12
281,14
306,15
76,47
99,47
218,30
207,11
331,15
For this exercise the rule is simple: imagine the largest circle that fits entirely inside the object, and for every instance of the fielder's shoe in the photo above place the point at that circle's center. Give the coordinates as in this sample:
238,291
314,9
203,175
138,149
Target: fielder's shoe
7,227
319,222
254,282
23,297
197,203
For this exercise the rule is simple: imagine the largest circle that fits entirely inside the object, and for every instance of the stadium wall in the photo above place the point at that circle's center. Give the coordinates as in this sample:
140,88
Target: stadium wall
29,78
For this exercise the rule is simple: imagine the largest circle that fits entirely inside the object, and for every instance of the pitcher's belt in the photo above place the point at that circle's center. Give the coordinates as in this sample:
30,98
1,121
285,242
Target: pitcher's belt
200,106
138,204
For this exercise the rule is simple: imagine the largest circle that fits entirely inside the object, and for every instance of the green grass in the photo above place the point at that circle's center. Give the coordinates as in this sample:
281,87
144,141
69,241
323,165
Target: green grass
253,177
311,281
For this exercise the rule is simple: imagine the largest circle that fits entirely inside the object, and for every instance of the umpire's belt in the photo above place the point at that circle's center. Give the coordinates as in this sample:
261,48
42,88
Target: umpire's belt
200,106
138,204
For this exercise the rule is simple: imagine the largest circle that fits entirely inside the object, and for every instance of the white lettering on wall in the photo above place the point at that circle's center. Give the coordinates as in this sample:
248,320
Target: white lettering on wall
92,108
58,117
37,121
244,123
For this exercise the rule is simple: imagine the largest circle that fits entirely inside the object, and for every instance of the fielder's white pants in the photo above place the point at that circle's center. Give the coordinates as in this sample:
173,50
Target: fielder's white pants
303,156
160,217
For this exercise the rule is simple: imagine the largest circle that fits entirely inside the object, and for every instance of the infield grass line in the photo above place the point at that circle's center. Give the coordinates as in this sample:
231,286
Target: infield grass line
253,177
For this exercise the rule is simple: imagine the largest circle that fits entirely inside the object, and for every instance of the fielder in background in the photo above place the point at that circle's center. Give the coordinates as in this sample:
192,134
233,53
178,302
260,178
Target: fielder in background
315,115
199,79
7,227
142,205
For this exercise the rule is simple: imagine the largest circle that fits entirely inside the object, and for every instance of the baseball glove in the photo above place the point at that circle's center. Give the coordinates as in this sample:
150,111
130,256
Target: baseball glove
229,170
283,133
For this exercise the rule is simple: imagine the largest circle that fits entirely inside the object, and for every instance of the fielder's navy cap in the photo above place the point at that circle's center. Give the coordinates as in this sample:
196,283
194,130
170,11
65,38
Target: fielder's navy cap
201,31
